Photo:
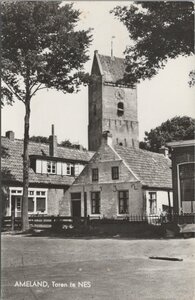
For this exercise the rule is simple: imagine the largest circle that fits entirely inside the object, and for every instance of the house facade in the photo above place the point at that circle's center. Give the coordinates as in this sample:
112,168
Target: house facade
119,182
52,170
183,175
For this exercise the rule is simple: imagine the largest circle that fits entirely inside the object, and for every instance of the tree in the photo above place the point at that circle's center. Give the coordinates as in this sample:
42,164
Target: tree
41,48
175,129
65,143
68,144
39,139
158,31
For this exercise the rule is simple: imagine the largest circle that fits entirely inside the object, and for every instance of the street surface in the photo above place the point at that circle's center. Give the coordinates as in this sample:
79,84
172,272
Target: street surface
81,268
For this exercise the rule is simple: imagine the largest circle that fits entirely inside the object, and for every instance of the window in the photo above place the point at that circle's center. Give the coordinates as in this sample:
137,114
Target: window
75,196
51,167
95,175
41,205
30,204
95,202
120,109
123,202
115,173
18,204
187,181
37,200
70,169
152,203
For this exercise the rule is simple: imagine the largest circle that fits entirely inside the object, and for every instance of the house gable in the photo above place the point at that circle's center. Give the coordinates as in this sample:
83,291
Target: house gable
103,160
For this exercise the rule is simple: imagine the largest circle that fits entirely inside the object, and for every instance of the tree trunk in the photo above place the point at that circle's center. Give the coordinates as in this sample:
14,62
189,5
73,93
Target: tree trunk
26,164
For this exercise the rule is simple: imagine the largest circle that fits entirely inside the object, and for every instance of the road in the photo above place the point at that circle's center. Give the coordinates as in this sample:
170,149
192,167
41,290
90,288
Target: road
114,269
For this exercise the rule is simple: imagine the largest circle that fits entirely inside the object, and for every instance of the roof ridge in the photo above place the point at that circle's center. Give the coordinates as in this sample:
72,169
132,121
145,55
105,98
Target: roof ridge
47,144
141,150
111,57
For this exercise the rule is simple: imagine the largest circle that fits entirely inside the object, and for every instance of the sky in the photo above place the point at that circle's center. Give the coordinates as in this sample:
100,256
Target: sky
164,96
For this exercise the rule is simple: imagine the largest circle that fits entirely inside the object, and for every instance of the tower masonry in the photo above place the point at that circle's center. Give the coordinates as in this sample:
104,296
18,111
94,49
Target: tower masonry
112,107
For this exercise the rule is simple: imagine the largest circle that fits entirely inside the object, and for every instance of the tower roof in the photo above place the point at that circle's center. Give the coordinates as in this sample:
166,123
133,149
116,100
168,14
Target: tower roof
112,68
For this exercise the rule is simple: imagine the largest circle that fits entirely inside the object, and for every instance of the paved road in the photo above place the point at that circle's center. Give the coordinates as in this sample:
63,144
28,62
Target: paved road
114,269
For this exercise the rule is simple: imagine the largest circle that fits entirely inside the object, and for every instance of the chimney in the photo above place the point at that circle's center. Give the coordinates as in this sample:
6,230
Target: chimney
10,135
53,143
165,151
107,138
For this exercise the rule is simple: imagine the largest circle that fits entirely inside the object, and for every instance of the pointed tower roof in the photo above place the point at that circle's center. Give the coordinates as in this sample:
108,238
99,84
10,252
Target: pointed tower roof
111,68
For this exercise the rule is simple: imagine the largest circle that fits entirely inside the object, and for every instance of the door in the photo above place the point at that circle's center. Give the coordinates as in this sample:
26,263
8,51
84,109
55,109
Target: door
76,208
76,204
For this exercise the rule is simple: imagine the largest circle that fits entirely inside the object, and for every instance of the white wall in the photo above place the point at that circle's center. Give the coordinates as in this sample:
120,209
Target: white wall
162,199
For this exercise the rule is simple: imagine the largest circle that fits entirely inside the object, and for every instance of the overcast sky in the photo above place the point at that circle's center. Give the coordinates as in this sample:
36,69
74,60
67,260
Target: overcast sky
165,96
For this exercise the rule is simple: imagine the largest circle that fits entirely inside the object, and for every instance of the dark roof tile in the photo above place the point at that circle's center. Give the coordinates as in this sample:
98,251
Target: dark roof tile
113,68
152,169
12,163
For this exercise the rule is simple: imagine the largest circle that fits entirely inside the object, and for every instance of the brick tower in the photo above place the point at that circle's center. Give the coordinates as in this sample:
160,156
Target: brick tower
112,107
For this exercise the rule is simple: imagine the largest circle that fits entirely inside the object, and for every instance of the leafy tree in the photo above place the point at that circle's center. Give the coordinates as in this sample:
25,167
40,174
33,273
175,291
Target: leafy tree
175,129
65,143
158,31
41,48
68,144
39,139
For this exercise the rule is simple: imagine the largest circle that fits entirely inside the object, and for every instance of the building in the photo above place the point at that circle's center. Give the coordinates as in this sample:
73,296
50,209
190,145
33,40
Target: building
116,181
120,181
52,170
112,105
183,175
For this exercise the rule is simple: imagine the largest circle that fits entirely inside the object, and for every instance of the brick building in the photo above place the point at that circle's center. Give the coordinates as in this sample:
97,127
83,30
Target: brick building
52,170
183,167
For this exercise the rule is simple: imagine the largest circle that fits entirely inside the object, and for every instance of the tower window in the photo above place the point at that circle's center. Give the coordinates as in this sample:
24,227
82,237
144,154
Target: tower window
120,109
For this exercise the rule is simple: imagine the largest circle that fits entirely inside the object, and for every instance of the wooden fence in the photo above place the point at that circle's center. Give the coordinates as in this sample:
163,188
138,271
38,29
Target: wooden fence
57,222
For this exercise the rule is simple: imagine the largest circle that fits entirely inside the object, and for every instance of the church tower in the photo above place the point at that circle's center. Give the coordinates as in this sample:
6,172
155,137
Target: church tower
112,107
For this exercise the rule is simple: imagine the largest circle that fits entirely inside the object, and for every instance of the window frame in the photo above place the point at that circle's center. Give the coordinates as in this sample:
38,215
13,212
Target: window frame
95,174
32,194
120,109
123,199
51,167
95,203
152,203
115,172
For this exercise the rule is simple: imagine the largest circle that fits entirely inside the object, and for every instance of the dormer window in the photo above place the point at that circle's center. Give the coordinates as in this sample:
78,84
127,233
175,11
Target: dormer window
51,167
120,109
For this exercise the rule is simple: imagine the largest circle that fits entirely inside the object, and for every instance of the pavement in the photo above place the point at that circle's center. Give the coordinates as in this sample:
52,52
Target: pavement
96,268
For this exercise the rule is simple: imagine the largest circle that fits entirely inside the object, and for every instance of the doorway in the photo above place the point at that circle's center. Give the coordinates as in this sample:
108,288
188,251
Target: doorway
76,208
76,205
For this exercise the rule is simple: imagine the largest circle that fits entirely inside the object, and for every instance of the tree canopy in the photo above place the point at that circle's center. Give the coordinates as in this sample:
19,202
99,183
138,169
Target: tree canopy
175,129
41,48
158,31
66,143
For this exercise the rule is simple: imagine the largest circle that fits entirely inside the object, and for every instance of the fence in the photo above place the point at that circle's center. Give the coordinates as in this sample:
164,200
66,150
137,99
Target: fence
56,222
42,221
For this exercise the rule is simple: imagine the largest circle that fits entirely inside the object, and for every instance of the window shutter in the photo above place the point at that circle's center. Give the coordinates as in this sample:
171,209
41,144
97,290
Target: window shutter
44,166
59,168
63,168
81,167
38,166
